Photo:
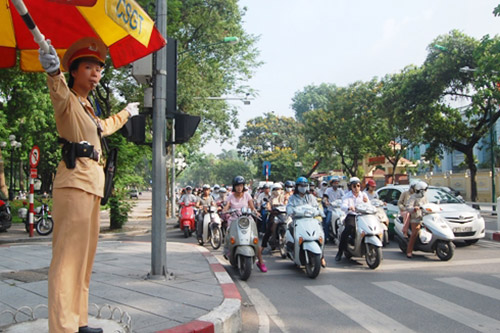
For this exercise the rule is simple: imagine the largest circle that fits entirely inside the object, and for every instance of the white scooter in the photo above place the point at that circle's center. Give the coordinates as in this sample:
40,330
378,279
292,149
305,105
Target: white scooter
338,215
305,239
382,217
367,238
211,228
242,242
435,235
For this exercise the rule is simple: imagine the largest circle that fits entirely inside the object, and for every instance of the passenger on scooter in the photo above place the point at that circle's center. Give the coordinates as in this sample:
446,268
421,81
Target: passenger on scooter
239,199
289,186
333,193
302,197
188,197
402,202
416,201
371,186
277,199
351,199
262,202
206,200
222,195
215,192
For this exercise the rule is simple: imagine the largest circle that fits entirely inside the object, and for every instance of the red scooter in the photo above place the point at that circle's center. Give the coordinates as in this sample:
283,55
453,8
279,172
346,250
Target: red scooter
187,223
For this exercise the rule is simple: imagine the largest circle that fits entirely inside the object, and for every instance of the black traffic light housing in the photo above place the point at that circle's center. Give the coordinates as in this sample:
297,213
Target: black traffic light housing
135,129
185,126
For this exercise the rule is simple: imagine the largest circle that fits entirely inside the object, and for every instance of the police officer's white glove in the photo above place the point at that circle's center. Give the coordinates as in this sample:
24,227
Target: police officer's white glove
50,61
133,109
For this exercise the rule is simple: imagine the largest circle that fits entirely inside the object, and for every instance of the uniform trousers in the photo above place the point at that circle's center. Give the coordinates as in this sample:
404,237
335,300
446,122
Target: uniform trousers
76,215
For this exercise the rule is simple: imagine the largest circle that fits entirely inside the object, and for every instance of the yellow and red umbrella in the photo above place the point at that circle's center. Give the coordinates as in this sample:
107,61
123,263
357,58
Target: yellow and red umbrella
125,28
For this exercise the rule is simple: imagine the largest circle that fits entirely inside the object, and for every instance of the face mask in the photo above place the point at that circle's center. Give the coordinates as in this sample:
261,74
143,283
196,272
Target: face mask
288,189
302,189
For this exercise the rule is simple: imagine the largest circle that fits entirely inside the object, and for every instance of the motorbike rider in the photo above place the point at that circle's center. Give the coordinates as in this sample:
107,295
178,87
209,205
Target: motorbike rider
349,202
321,189
302,197
332,193
215,192
277,199
188,197
402,202
414,206
204,202
289,187
262,201
239,199
370,189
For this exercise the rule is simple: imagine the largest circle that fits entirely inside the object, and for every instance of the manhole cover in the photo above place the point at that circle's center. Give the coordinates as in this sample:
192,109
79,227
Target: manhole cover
29,275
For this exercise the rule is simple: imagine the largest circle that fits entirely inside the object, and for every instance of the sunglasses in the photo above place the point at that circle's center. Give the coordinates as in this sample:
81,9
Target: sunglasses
357,185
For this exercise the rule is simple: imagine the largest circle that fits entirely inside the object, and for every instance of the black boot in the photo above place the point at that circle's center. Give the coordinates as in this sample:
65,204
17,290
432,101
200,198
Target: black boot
338,257
86,329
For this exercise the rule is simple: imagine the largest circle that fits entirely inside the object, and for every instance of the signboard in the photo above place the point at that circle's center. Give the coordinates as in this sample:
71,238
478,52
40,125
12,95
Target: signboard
298,164
266,168
34,156
33,173
376,160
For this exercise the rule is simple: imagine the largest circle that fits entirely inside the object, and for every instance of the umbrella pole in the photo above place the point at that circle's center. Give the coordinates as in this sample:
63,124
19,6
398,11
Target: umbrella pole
25,15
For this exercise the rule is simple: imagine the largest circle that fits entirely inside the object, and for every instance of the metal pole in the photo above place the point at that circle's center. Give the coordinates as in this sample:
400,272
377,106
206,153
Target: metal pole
11,190
172,197
492,157
158,228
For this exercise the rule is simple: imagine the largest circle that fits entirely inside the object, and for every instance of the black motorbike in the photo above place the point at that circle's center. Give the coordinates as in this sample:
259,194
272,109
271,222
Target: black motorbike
279,217
5,215
42,219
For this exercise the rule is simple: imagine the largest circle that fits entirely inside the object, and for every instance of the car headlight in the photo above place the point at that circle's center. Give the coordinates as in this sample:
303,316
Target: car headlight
244,222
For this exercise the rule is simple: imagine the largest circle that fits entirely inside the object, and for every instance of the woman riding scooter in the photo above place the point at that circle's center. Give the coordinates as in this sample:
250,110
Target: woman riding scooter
415,203
205,201
239,199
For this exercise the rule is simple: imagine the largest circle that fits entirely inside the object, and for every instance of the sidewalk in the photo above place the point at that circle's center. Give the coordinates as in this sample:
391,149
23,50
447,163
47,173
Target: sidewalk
198,294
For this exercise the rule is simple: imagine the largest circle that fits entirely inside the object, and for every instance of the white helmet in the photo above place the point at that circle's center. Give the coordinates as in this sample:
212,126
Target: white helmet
206,187
354,180
276,186
420,189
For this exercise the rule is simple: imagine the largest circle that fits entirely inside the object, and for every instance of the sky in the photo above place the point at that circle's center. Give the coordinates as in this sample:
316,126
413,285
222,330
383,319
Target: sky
304,42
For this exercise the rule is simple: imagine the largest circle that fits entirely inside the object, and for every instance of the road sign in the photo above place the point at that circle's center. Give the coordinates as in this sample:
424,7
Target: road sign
33,173
34,156
266,168
298,164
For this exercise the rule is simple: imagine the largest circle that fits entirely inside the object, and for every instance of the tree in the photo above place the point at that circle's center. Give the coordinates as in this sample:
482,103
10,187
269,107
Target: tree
460,107
311,98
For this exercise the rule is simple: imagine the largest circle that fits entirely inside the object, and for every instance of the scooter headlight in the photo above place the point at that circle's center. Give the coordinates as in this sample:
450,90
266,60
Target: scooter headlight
244,222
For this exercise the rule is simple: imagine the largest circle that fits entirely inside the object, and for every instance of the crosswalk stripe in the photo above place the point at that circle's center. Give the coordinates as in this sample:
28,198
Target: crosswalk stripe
366,316
472,286
455,312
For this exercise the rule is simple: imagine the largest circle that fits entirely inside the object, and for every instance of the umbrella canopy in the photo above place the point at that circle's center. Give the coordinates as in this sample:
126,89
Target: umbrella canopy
125,28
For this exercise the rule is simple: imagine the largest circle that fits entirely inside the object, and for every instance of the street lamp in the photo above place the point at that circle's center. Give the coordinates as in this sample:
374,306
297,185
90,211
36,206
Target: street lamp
13,145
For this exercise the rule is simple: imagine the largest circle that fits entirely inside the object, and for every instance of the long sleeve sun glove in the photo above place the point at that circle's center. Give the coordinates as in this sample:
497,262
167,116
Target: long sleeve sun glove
133,109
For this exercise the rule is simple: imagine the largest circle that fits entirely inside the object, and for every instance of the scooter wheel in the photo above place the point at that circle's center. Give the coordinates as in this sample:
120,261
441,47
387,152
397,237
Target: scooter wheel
44,226
373,256
313,264
445,250
402,244
244,267
186,232
216,238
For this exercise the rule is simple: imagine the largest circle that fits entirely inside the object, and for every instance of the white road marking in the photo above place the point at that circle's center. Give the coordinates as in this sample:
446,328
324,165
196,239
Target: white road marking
366,316
448,309
265,309
472,286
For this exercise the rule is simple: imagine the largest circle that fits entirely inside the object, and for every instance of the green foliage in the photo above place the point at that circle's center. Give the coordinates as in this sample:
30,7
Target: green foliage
118,208
311,98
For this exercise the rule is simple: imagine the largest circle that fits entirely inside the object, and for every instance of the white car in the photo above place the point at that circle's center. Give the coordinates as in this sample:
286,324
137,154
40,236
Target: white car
466,222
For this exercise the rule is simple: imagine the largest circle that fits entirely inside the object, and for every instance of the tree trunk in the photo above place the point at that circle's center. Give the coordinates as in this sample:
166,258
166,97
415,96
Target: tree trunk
469,157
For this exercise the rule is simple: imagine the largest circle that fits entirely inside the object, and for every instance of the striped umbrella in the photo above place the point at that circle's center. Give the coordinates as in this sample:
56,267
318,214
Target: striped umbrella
125,28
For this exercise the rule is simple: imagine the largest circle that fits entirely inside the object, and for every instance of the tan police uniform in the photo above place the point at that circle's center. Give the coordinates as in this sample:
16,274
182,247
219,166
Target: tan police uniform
76,208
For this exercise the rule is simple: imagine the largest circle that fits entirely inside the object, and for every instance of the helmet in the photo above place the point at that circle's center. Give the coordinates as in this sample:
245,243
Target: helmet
189,188
289,183
276,186
323,183
354,180
371,182
222,190
301,180
206,187
216,187
420,188
238,180
266,185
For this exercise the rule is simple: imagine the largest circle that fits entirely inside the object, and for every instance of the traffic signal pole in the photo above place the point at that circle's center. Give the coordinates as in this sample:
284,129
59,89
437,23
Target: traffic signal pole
158,227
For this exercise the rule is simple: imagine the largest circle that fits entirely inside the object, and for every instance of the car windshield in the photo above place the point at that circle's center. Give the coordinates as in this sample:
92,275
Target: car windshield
436,194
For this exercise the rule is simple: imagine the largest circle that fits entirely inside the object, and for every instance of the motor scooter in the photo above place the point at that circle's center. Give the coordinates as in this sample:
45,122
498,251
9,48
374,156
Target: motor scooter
42,219
435,235
5,215
211,228
338,215
281,219
242,242
305,239
187,215
367,239
383,219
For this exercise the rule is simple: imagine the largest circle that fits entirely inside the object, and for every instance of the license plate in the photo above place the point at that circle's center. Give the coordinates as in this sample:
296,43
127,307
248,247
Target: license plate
462,229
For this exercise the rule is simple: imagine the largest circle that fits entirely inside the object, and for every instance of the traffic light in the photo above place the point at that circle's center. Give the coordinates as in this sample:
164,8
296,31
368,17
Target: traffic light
135,129
185,126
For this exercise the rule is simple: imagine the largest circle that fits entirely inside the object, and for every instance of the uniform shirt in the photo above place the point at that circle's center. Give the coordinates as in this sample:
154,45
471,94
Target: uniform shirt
74,123
351,201
296,200
188,198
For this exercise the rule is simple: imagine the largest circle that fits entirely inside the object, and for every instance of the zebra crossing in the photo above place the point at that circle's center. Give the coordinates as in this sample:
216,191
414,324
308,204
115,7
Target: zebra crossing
418,299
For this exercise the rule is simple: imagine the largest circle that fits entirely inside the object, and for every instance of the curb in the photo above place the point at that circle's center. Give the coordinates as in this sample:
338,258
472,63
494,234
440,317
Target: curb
493,235
224,318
